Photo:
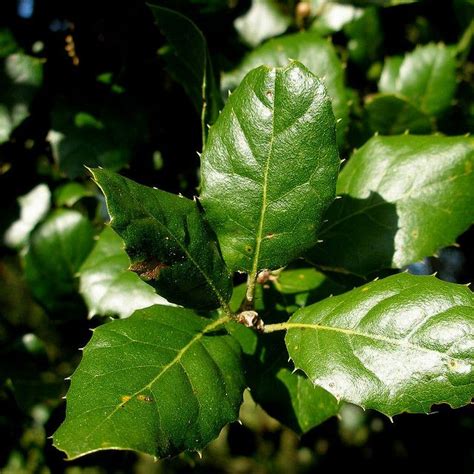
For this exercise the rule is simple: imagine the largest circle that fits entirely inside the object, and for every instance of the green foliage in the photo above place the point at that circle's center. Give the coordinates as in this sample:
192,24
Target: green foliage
317,54
56,250
399,344
260,282
189,62
162,381
427,77
277,119
403,198
169,243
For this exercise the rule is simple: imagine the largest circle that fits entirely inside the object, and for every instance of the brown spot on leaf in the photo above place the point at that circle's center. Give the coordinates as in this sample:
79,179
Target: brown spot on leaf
148,269
125,398
144,398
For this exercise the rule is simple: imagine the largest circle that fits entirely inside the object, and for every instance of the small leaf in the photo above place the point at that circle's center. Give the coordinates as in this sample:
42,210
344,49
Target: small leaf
399,344
189,62
56,251
316,53
277,120
170,245
162,381
425,187
390,114
427,77
107,285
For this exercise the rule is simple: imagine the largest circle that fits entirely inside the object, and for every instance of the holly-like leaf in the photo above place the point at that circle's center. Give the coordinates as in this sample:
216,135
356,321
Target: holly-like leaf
278,119
425,187
316,53
169,243
189,62
162,381
56,250
426,76
399,344
107,285
390,114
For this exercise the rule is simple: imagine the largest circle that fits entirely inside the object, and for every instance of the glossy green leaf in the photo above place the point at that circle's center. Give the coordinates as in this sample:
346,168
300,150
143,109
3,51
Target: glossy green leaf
426,76
189,62
316,53
424,199
106,283
56,251
264,20
277,120
169,243
162,381
399,344
390,114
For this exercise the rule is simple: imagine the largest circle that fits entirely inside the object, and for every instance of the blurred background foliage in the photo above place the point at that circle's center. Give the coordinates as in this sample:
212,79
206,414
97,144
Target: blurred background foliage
92,84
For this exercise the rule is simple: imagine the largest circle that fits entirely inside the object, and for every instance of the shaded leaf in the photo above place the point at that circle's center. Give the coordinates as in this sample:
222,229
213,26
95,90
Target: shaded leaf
316,53
189,62
399,344
56,251
390,114
94,134
277,119
287,396
170,245
160,382
429,180
107,285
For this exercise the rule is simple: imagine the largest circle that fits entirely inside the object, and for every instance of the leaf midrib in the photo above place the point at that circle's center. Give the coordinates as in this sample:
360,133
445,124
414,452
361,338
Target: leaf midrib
376,337
258,238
